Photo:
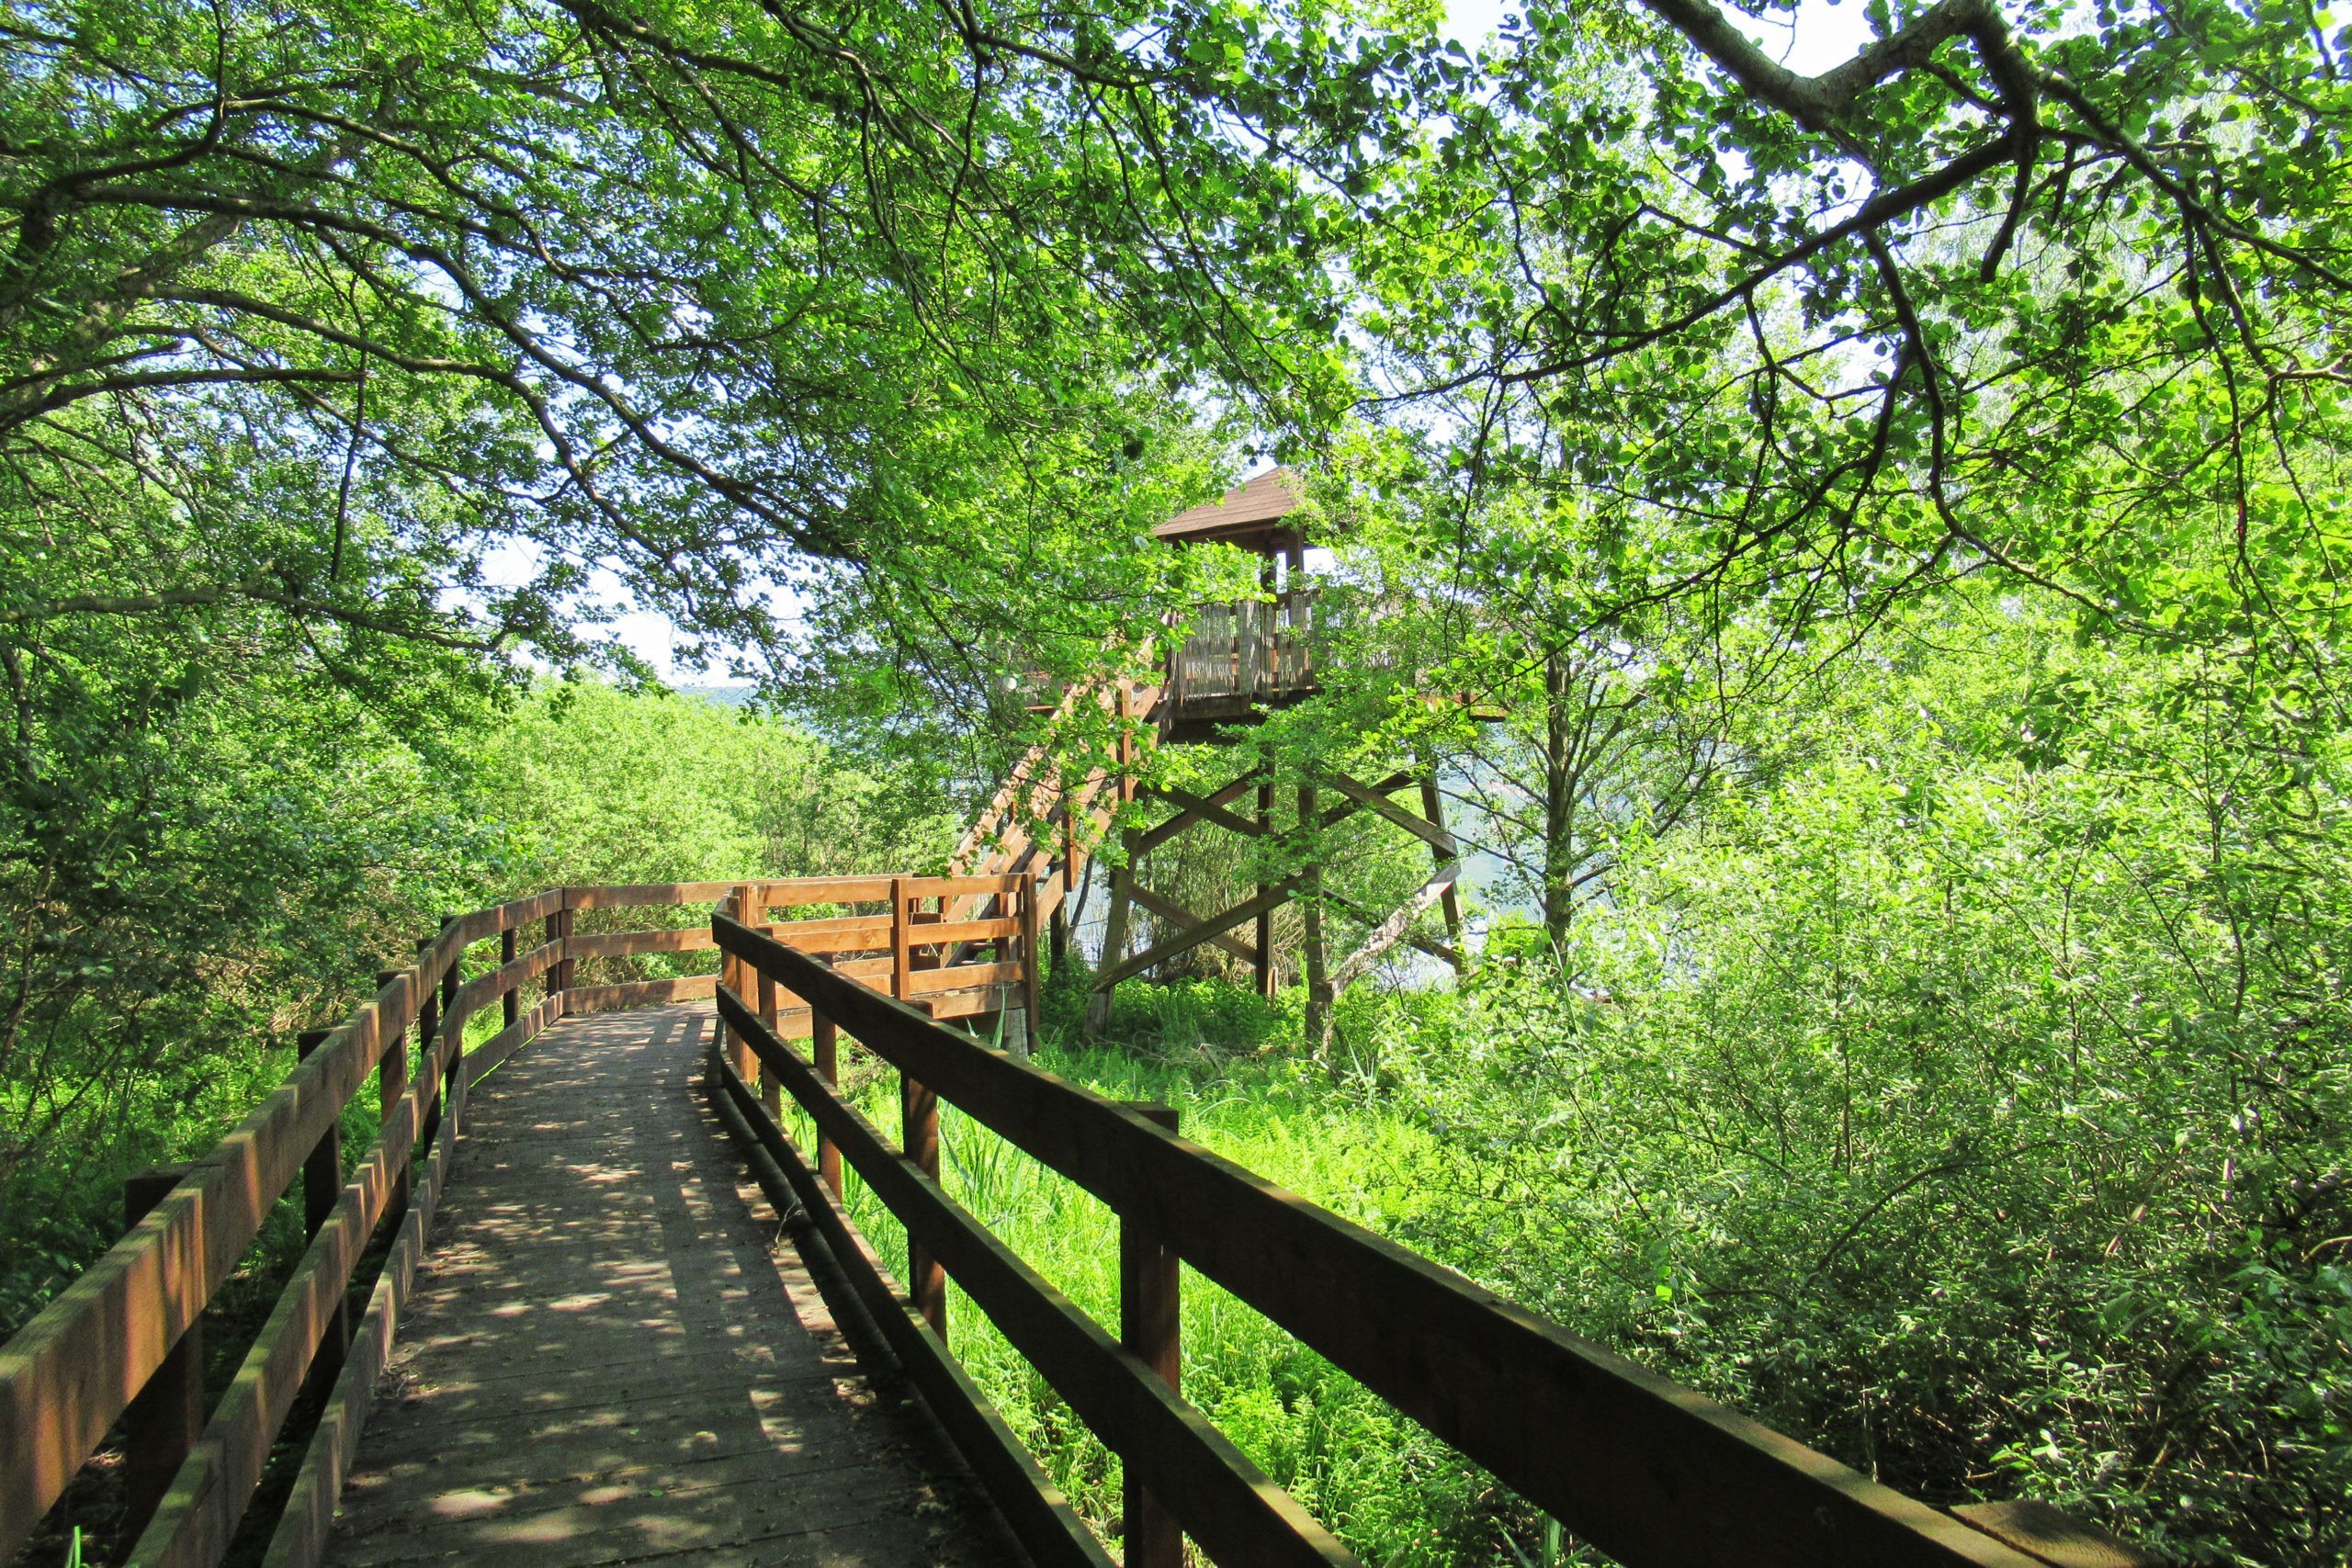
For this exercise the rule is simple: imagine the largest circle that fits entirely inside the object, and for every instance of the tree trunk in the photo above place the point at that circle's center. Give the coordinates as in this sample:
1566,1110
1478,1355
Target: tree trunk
1318,983
1263,973
1114,939
1560,725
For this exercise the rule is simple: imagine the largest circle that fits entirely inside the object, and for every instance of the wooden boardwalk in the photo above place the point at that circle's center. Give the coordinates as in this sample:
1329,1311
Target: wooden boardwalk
613,1356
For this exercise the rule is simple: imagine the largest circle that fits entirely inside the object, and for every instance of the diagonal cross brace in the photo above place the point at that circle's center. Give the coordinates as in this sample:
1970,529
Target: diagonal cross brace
1377,803
1215,926
1392,930
1169,910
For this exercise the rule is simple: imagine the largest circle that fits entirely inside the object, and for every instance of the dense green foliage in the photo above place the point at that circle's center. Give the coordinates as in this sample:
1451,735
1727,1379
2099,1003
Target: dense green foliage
1966,1091
1892,521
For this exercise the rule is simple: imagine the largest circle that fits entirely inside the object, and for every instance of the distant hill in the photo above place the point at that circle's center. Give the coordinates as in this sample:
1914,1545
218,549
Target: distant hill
726,693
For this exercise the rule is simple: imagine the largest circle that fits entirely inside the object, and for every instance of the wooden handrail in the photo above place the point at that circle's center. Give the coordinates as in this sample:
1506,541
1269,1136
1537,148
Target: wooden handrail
1230,1507
1650,1471
67,1376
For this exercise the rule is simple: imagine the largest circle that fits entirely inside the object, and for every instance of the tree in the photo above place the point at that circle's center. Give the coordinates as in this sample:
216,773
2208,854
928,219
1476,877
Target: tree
2052,291
717,300
1565,739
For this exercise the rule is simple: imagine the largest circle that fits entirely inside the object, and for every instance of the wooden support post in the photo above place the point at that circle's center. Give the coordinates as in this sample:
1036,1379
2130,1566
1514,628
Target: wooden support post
736,975
1318,984
919,1135
1065,905
824,1049
558,973
1263,966
1032,990
731,979
164,1419
918,1128
391,1083
322,1190
1433,807
1115,935
510,1001
457,971
428,1040
1151,1326
901,949
453,1059
771,1087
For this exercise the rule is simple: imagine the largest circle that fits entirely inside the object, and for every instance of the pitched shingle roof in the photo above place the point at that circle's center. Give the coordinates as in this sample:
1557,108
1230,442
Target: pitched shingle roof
1273,495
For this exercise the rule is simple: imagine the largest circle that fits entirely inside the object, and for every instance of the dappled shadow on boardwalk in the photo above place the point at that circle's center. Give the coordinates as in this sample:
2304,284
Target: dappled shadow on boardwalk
611,1359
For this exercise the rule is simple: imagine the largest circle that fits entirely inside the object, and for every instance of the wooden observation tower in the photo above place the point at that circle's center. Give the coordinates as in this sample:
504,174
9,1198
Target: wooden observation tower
1241,659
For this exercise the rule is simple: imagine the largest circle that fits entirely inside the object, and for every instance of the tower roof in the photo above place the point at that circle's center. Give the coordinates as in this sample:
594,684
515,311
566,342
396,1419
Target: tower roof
1253,509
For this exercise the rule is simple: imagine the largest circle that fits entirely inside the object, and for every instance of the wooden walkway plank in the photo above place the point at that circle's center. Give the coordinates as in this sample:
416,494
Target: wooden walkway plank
610,1357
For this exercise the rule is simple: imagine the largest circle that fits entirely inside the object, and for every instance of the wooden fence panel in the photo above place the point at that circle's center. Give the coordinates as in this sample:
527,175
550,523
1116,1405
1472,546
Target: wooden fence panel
208,1496
1226,1503
1648,1470
67,1375
1031,1505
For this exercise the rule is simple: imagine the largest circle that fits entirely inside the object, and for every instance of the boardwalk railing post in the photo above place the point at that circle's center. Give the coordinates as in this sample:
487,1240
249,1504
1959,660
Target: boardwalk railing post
322,1190
163,1420
919,1128
510,1000
429,1043
428,1039
919,1135
733,975
456,1054
1151,1324
771,1087
559,930
902,957
729,979
824,1049
391,1083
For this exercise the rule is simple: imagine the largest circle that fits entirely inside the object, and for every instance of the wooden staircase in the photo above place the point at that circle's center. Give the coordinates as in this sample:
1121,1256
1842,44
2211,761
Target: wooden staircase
1041,827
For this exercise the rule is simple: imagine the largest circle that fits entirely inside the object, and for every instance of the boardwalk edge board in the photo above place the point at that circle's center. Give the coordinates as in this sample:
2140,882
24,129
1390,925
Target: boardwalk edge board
1031,1505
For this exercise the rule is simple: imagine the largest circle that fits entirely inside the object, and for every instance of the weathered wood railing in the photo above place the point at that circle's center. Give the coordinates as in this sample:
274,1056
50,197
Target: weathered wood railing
1650,1471
1244,650
1248,649
70,1375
